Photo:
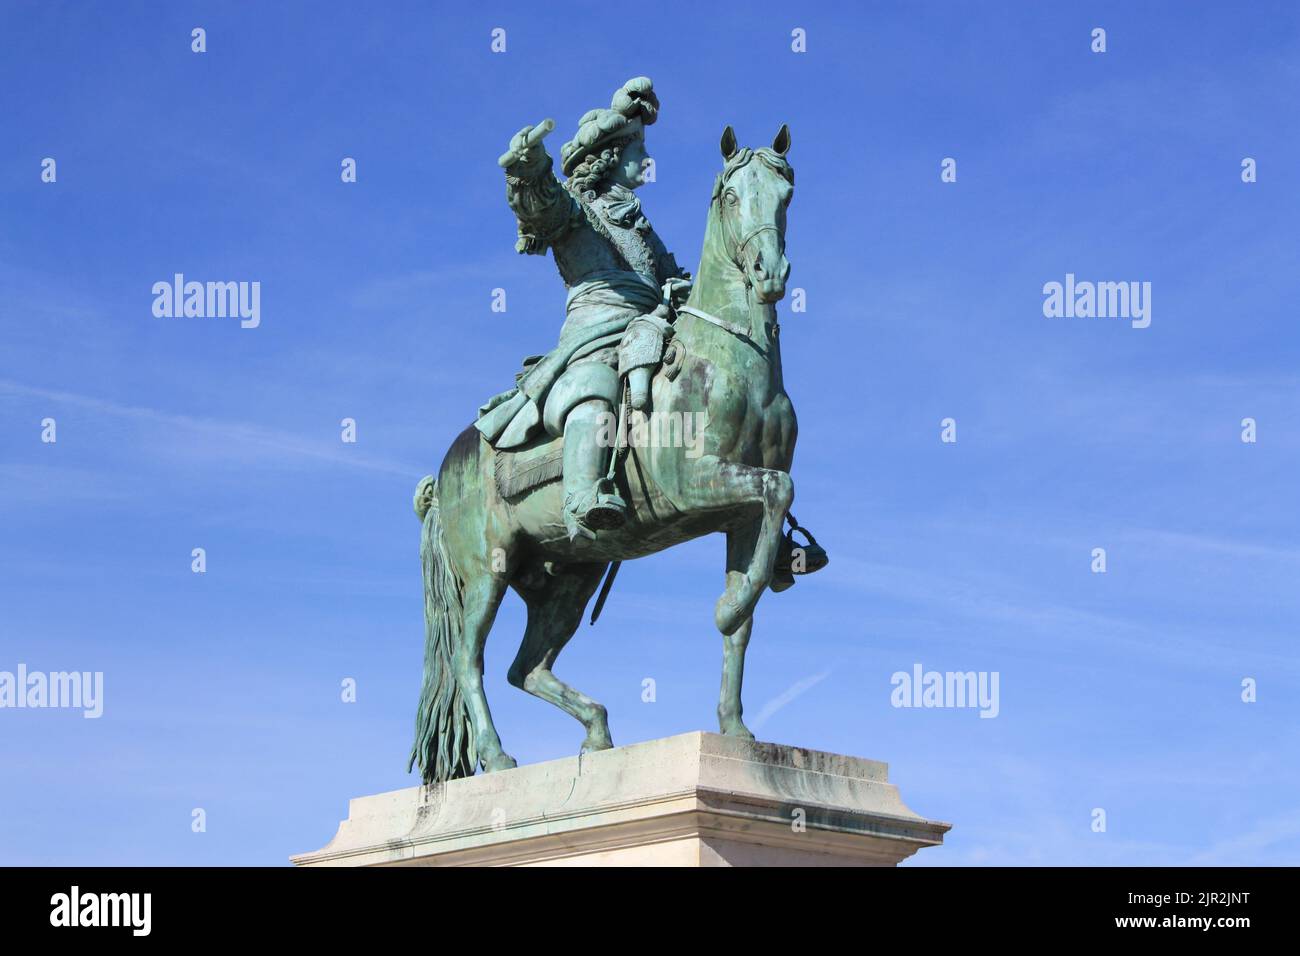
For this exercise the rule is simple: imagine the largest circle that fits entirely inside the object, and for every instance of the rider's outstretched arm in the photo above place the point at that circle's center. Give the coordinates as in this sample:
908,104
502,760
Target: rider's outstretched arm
544,208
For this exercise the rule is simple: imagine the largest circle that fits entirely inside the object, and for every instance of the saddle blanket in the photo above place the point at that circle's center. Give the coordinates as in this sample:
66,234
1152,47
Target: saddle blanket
528,468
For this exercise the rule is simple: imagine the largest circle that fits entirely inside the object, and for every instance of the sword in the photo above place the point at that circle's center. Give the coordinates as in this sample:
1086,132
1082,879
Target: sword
619,446
604,590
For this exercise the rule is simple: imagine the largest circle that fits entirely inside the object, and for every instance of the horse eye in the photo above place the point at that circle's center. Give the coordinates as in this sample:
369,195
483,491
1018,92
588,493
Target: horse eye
731,198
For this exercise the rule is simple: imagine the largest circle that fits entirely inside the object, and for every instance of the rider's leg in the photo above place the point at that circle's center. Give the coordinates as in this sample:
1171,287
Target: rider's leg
589,505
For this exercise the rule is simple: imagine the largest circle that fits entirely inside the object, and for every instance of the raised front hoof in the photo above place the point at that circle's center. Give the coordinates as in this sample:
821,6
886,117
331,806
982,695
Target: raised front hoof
727,617
501,761
731,612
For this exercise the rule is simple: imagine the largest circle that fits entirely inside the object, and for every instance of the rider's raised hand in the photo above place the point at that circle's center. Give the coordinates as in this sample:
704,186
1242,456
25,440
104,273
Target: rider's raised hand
526,156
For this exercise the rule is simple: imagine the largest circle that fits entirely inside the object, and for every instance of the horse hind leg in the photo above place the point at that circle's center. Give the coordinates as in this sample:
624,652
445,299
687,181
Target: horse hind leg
482,598
454,727
555,609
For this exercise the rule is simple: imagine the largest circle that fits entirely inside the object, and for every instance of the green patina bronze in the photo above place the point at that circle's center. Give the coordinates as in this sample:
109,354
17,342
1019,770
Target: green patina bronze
556,483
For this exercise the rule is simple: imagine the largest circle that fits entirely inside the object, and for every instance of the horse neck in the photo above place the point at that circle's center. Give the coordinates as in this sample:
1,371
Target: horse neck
720,290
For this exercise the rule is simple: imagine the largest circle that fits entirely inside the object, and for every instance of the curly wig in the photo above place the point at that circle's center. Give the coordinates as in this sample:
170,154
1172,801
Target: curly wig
596,168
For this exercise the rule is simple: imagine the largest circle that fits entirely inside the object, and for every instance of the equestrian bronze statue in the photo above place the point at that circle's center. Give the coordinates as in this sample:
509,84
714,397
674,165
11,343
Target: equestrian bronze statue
660,416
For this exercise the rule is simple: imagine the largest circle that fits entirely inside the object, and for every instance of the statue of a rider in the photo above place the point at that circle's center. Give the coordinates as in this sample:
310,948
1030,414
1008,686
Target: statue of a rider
623,286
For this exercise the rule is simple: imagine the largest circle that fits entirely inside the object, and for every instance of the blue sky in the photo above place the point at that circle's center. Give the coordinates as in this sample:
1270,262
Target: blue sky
1119,691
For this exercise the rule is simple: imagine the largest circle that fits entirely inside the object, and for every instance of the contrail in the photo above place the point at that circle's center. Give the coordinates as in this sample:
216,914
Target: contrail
795,690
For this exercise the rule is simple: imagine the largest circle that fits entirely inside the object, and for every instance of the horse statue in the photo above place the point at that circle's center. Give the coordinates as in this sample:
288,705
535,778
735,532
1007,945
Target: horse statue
483,534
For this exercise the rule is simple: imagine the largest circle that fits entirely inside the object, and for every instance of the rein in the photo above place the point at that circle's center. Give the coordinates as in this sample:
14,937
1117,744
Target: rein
735,329
740,249
744,333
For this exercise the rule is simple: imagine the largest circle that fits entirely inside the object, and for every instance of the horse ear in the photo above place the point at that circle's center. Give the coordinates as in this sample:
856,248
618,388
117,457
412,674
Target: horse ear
728,143
781,142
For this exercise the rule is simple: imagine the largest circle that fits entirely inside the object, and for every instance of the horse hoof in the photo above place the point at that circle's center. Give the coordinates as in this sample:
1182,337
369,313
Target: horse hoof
593,744
734,727
501,761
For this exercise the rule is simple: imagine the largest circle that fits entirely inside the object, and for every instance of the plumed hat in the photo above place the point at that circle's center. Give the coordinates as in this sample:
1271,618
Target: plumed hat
633,108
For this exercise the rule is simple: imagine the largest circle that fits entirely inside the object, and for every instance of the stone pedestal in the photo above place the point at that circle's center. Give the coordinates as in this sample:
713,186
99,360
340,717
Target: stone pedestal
693,800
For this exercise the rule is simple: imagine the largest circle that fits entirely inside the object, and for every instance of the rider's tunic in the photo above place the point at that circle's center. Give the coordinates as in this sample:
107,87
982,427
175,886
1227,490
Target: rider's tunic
614,266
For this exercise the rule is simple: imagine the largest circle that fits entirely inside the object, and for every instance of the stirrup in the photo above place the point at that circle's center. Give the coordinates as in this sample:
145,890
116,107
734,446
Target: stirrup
597,510
814,555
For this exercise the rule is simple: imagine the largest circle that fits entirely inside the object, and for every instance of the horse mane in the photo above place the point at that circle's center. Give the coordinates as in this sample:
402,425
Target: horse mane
742,157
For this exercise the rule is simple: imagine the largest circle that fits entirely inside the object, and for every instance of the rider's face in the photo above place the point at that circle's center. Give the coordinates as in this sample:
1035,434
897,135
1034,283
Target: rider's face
631,164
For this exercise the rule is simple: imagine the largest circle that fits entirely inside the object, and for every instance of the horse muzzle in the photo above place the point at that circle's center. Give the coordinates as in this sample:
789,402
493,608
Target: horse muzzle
769,286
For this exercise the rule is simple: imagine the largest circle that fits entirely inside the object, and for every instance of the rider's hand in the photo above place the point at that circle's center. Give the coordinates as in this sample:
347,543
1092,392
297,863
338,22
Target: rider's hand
679,291
529,160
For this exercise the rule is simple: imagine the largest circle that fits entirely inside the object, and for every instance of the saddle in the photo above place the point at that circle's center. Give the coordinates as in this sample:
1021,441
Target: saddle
646,347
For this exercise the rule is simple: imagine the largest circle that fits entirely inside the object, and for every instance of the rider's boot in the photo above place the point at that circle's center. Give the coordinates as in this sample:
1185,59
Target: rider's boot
590,502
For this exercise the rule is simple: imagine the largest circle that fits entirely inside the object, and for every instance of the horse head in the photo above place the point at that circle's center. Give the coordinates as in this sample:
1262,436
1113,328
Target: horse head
750,198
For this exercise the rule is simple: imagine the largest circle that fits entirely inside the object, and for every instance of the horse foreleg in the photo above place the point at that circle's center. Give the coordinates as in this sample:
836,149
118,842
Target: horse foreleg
740,551
730,708
714,484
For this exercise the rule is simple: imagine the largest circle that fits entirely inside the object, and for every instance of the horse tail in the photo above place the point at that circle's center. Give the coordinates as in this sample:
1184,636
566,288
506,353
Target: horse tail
444,745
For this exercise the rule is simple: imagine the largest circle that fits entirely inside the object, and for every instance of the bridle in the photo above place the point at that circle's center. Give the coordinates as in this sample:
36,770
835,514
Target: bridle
740,160
739,258
737,161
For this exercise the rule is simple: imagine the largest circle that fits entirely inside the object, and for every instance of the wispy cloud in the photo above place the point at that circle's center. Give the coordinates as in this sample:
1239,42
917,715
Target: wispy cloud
1027,618
787,696
424,288
1182,541
282,444
1249,848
